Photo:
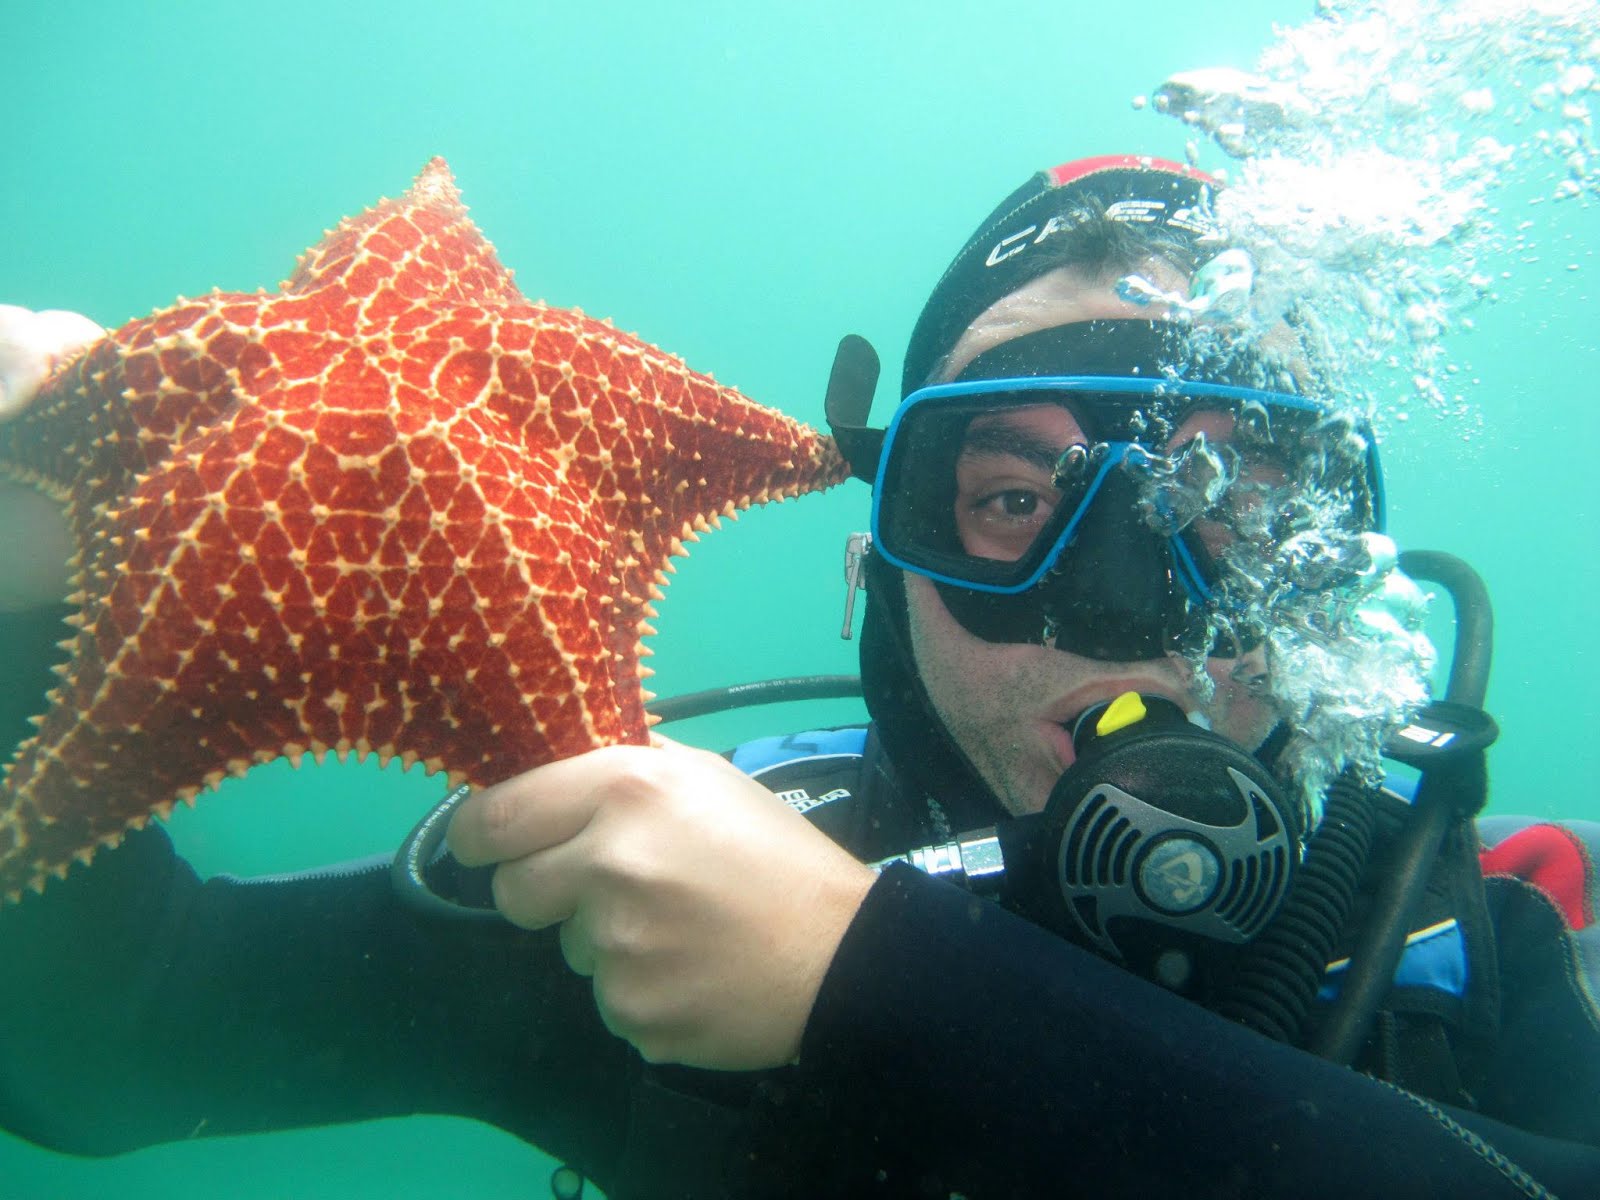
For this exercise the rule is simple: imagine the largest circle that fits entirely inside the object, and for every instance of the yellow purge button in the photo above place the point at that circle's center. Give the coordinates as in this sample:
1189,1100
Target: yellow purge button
1127,709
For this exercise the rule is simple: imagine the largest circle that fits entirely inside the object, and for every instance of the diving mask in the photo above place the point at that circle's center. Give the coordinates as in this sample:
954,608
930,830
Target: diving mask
1090,510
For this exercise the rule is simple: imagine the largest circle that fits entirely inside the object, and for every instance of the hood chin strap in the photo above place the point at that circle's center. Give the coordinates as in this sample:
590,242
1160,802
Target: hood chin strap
924,754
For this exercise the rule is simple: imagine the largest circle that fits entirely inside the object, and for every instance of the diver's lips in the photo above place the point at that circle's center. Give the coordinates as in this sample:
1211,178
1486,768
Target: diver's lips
1070,708
1058,720
1060,742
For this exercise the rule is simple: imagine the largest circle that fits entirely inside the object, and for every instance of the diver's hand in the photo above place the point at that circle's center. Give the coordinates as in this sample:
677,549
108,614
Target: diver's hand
32,346
34,554
705,909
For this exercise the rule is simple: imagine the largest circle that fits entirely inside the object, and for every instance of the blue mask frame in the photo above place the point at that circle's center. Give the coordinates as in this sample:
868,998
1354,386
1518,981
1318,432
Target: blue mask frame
1110,403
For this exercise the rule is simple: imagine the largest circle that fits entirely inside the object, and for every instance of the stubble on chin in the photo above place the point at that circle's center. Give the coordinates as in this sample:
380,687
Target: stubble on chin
990,697
981,692
1240,707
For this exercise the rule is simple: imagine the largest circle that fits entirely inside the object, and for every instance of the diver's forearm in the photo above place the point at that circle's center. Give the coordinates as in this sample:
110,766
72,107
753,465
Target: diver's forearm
139,1005
954,1042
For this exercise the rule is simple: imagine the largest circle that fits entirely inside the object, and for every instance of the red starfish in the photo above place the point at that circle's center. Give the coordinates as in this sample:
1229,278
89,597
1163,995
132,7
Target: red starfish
393,507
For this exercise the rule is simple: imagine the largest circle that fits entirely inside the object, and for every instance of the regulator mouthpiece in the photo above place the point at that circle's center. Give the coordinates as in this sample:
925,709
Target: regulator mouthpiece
1164,846
1173,841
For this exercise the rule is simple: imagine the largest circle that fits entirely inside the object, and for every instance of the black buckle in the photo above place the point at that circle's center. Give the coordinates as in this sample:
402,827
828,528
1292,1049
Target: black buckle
1442,732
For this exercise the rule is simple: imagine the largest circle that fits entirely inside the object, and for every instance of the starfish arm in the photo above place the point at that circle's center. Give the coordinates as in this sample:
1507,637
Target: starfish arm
659,450
422,248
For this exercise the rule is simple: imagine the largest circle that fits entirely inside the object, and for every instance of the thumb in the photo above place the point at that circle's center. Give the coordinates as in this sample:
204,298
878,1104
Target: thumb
32,346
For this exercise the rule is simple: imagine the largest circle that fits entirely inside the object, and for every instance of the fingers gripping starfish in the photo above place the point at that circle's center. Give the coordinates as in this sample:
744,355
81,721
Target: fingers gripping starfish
394,507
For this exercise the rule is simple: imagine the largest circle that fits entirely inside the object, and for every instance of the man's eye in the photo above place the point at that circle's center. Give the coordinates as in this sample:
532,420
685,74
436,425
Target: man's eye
1003,522
1015,504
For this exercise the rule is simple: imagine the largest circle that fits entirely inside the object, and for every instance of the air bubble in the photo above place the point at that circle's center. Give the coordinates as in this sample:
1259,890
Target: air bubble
1576,79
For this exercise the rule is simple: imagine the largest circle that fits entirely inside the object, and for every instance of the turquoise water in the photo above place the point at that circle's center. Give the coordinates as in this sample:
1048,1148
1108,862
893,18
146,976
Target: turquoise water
740,184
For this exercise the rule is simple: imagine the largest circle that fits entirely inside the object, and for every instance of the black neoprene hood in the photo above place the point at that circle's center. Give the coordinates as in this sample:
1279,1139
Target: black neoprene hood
1012,246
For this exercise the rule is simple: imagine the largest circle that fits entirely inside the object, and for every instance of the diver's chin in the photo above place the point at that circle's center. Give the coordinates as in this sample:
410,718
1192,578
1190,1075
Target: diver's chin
1025,787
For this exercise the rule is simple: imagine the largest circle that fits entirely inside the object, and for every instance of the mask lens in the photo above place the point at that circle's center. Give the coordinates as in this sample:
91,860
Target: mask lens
979,491
1012,473
1213,480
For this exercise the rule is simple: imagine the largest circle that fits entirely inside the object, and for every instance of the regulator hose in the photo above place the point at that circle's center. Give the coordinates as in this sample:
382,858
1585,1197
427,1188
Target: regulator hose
1277,978
1451,791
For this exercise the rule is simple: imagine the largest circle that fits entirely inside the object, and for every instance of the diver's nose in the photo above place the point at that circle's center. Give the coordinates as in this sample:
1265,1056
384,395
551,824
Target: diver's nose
1114,595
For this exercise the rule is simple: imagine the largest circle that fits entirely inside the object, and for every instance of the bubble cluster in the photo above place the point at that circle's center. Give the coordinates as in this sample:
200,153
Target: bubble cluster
1347,658
1381,149
1342,658
1379,145
1180,488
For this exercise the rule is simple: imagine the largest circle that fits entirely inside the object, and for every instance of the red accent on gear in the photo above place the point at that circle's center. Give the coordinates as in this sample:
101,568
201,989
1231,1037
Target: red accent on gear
1553,860
1081,168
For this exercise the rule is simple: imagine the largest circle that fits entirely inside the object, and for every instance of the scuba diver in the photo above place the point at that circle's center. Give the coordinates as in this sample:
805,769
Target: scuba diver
1088,908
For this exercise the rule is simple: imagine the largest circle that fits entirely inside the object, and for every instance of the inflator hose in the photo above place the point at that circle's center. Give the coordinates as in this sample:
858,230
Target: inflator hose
1473,649
1279,977
1447,795
747,695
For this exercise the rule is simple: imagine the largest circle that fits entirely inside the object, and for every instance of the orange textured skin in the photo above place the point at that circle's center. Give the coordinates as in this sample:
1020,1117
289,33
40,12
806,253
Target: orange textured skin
393,507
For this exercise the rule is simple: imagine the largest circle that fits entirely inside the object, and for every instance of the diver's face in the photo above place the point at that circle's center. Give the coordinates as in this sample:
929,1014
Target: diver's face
1009,705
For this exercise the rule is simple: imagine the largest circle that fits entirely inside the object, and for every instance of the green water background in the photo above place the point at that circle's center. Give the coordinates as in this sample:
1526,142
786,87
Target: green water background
740,183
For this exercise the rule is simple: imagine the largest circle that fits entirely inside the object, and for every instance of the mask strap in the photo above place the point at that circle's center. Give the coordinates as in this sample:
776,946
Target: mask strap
851,383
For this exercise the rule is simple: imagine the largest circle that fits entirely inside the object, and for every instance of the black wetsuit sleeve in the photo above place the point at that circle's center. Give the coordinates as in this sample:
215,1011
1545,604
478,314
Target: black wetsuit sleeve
956,1048
140,1005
